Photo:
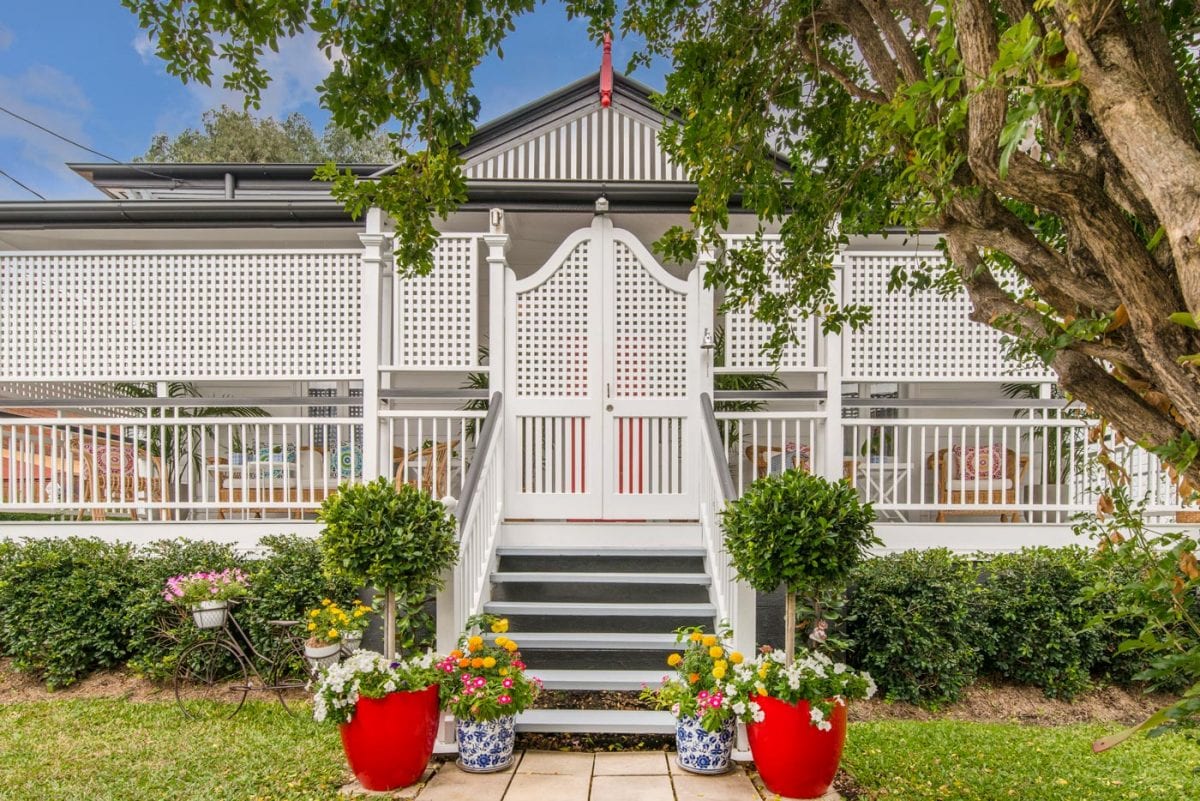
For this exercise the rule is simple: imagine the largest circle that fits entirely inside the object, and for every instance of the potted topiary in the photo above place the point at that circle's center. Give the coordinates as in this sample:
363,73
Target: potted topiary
698,697
804,533
401,540
485,686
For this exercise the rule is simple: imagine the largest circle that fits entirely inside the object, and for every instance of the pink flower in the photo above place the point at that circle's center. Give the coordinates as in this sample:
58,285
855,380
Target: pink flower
468,690
508,683
480,681
518,664
504,699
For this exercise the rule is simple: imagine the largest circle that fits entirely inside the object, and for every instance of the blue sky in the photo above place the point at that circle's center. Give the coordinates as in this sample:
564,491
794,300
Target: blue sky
84,68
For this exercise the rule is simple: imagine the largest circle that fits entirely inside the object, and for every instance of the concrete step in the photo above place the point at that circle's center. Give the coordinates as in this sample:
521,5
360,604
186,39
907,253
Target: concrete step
621,680
547,577
538,609
649,536
596,721
594,641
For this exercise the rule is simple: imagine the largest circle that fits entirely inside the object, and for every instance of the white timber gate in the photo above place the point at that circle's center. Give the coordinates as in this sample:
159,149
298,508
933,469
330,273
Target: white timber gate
603,376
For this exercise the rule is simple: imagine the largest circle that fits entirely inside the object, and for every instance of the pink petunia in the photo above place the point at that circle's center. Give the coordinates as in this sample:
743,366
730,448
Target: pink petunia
508,683
504,699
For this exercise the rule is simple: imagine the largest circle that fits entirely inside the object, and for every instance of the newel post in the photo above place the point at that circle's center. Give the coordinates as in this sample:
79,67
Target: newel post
376,259
832,467
497,242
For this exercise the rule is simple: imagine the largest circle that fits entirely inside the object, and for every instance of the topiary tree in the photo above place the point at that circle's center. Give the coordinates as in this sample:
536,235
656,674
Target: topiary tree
800,531
398,539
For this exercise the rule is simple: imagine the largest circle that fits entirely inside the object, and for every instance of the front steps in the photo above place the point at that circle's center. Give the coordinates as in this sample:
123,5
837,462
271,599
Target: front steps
593,611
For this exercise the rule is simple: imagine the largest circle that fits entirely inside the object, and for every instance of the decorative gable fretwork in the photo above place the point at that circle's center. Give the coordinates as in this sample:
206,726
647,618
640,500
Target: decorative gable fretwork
594,144
922,336
180,315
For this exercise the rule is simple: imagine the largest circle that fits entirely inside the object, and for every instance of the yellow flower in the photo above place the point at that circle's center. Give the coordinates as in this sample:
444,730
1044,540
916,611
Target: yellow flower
500,626
674,659
696,636
360,611
503,671
716,652
761,689
718,673
333,633
501,640
722,664
489,662
736,657
314,613
474,643
709,640
510,646
762,671
312,626
326,602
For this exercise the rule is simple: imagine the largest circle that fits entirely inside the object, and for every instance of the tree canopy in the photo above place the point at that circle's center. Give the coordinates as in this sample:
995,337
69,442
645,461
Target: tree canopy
233,135
1052,142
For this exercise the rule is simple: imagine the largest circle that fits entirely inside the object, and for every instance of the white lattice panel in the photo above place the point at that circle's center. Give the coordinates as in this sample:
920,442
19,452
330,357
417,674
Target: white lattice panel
552,347
73,390
918,337
745,336
180,315
650,332
435,314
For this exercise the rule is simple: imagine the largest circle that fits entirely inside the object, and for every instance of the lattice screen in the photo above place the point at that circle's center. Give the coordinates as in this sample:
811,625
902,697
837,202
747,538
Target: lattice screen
651,332
744,336
553,326
181,315
72,390
435,314
918,337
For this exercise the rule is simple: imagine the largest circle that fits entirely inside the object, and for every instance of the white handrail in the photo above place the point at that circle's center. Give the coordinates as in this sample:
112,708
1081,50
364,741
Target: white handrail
480,513
735,600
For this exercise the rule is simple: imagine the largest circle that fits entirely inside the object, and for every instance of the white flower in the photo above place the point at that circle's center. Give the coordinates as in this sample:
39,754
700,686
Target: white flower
824,725
739,708
816,715
756,713
839,668
871,688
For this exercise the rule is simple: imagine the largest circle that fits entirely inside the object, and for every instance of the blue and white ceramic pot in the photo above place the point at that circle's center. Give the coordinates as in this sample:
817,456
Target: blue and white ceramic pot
701,751
486,746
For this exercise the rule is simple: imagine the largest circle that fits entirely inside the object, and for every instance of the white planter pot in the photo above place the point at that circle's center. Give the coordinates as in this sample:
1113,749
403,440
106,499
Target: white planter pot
323,655
351,642
210,614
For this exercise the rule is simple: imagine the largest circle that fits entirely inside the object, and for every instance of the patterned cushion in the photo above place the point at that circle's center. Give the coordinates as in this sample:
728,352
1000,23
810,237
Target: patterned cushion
279,453
114,459
972,464
348,463
794,456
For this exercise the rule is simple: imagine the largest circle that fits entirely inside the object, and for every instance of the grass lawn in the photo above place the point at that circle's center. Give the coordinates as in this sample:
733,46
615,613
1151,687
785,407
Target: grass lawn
110,750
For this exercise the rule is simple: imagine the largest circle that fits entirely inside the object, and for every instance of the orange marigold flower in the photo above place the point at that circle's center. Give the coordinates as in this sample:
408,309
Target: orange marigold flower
489,661
464,662
474,643
510,646
456,654
693,678
695,636
709,640
736,657
477,663
674,659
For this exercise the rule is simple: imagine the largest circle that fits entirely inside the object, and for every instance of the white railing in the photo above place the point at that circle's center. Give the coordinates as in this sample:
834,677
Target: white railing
757,443
479,512
735,601
214,458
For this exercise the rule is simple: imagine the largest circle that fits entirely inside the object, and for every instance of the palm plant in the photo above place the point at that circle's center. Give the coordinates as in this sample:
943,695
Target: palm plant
1062,449
738,382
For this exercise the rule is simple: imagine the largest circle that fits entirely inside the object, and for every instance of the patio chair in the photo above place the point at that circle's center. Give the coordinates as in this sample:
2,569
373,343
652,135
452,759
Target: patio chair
426,468
771,459
114,472
983,476
274,486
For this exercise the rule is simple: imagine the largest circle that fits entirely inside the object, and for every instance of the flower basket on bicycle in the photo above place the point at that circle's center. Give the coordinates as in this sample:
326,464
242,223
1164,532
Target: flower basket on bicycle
207,594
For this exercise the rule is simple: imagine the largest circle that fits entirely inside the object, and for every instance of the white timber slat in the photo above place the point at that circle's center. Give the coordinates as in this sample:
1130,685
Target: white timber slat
617,680
557,608
596,721
549,577
600,641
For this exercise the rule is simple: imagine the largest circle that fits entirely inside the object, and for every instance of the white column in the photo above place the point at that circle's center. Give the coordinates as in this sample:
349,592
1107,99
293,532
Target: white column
374,262
832,459
497,242
706,310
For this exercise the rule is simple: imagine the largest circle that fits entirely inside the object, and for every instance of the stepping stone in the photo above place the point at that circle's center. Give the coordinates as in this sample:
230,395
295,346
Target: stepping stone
355,789
631,763
452,784
567,763
632,788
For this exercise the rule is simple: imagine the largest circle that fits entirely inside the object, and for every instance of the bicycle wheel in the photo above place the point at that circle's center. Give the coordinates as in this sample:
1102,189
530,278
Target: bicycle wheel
211,680
291,674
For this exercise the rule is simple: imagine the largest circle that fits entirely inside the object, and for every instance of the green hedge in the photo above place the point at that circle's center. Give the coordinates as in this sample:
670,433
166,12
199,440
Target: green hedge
927,623
72,606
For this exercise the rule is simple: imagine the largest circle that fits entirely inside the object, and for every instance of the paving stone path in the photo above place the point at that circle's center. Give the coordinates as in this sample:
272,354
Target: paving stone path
570,776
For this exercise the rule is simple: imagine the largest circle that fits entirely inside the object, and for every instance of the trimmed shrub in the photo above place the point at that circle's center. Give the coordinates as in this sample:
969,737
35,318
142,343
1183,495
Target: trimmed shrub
62,606
1040,628
913,622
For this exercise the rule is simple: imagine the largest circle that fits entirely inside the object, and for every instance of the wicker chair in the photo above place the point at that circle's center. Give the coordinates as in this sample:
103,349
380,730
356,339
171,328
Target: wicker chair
768,459
431,466
118,473
953,486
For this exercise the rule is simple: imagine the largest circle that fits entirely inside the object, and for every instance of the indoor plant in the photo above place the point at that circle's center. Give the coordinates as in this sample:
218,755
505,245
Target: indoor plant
401,540
698,699
333,631
485,686
795,715
207,594
387,713
804,533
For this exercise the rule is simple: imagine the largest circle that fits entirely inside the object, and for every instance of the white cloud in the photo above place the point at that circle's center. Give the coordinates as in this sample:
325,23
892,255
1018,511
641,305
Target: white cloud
143,45
51,98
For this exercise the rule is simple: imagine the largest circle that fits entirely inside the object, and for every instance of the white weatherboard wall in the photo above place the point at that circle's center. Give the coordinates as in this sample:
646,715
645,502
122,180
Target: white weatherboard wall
180,315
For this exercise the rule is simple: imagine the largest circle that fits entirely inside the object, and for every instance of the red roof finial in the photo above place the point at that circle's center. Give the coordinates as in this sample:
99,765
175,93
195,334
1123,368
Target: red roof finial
606,73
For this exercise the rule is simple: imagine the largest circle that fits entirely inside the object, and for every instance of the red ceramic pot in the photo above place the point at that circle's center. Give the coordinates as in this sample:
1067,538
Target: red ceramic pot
794,758
389,740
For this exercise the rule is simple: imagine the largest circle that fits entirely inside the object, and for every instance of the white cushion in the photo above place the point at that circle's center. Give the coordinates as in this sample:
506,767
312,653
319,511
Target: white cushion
982,485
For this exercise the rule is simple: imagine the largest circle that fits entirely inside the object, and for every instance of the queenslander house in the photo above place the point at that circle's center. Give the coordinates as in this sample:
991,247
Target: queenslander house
212,348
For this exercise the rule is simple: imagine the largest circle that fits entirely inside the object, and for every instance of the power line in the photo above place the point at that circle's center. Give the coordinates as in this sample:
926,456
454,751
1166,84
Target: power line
91,150
27,188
